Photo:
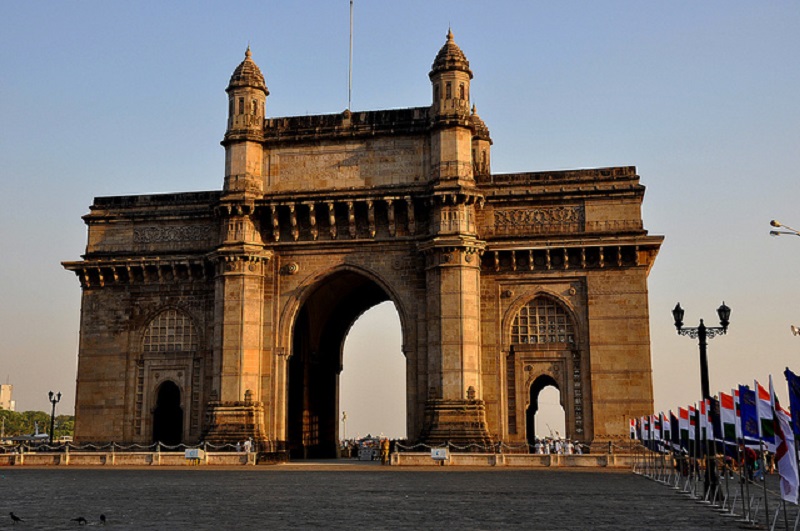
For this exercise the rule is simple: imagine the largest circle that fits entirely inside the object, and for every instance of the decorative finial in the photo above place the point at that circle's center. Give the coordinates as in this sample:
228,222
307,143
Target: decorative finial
449,34
474,109
247,52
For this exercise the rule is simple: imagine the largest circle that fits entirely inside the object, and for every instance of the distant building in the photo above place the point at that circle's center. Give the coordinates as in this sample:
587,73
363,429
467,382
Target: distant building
6,402
221,315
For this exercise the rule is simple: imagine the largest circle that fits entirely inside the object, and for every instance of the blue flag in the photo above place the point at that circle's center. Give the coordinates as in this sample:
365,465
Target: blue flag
749,413
794,399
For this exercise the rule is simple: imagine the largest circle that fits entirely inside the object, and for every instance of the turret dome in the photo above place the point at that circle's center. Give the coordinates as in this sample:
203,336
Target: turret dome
247,74
479,126
450,57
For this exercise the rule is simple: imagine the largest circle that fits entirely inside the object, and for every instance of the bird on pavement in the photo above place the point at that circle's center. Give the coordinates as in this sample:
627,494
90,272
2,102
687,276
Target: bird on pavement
15,518
81,520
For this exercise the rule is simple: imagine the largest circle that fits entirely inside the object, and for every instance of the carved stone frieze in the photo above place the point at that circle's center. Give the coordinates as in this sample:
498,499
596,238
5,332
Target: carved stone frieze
156,234
540,219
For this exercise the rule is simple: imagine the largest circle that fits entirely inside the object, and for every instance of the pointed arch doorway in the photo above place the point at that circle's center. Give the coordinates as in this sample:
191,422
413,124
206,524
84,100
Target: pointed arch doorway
168,415
321,327
545,407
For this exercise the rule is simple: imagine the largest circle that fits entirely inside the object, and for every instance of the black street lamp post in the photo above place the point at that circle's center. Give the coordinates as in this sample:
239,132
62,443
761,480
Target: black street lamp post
703,333
54,399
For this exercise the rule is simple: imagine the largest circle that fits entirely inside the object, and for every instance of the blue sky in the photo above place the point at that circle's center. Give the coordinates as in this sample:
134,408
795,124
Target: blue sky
114,98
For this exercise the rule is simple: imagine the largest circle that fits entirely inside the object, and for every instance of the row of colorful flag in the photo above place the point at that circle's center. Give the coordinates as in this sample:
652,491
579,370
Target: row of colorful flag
745,416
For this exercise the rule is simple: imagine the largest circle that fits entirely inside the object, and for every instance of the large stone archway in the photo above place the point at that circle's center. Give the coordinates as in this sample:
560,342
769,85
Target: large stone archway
319,218
316,359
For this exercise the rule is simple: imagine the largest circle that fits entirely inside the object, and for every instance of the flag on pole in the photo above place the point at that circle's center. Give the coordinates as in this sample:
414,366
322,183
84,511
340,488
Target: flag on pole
683,426
785,456
665,428
728,416
749,414
675,428
715,419
766,418
705,432
694,431
633,429
794,399
735,394
656,427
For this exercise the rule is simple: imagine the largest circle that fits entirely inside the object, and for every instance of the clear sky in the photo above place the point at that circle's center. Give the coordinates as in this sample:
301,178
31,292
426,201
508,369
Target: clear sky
112,98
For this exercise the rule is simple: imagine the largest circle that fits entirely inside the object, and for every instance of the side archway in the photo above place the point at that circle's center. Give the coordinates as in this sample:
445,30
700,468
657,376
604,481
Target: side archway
168,379
539,384
168,415
545,349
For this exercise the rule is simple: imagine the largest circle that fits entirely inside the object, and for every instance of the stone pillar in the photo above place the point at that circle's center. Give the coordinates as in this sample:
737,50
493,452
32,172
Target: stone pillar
454,409
236,414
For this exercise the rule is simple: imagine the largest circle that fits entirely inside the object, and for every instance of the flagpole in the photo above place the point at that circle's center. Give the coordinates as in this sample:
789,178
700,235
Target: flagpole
744,476
350,63
696,458
786,373
762,447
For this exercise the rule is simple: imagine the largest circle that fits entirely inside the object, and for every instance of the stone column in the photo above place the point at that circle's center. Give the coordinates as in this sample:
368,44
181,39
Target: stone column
454,409
237,413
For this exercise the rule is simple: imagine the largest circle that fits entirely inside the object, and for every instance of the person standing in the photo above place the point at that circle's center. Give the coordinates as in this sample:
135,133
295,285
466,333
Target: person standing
384,451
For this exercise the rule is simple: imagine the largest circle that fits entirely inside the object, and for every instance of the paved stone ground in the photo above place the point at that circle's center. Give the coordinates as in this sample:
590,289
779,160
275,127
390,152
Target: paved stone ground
341,495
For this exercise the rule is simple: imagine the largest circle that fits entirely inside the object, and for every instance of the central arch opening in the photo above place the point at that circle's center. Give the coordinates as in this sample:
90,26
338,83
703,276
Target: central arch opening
372,386
168,415
321,327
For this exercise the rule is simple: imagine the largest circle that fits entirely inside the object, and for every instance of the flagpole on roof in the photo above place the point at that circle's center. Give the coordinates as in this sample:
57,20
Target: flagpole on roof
350,63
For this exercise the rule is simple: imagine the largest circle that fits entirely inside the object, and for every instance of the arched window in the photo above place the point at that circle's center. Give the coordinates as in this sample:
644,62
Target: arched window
461,92
542,320
448,90
170,331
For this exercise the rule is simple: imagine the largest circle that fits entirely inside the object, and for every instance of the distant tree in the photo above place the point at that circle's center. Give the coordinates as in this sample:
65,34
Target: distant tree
24,423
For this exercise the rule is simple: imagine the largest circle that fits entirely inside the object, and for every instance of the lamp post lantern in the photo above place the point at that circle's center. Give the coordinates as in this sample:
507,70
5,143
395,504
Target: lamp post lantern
787,230
703,333
54,399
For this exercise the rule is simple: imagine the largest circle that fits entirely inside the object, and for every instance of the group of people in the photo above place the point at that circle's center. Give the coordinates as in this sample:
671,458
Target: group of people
367,449
246,446
556,446
749,462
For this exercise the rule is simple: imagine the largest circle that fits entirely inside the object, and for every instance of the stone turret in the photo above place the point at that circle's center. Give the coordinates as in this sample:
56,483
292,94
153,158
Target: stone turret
454,410
247,97
451,135
481,145
450,76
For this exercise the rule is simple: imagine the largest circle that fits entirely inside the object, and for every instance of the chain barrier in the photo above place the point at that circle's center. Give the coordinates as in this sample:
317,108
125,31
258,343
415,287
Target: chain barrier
117,447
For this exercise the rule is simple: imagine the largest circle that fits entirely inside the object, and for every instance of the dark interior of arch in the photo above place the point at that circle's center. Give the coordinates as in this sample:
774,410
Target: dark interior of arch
168,415
536,387
319,333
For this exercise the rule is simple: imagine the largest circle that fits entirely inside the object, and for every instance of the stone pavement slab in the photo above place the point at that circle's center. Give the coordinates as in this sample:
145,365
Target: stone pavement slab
342,495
